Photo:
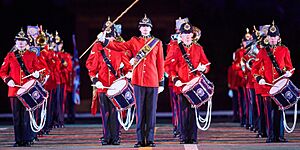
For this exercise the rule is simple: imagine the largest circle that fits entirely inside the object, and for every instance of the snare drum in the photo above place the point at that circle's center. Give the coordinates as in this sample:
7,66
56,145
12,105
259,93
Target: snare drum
32,94
198,91
121,94
284,93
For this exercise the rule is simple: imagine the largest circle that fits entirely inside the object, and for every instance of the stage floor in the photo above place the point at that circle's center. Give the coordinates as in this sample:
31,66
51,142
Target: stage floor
218,137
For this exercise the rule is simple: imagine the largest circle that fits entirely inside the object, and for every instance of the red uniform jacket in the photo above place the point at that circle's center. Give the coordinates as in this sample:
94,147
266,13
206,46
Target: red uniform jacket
11,69
168,61
268,72
45,59
56,62
104,74
232,78
66,67
239,67
150,70
178,66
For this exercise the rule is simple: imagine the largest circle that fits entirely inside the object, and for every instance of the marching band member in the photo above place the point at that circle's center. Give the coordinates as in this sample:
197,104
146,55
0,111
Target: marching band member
147,77
106,65
239,67
179,73
17,64
173,97
275,61
233,92
65,68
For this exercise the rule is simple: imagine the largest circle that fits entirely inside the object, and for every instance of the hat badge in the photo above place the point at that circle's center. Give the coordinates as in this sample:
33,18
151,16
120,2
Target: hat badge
273,28
247,36
107,24
145,19
187,27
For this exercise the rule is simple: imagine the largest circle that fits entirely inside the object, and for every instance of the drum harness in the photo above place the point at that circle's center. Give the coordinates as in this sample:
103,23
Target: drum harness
280,72
33,124
199,119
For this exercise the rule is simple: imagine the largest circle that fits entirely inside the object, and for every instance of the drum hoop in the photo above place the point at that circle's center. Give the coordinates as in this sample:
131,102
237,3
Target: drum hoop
118,93
28,87
279,91
126,108
281,107
192,85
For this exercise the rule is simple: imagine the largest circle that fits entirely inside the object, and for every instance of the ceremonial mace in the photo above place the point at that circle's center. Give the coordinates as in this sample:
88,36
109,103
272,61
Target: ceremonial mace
110,26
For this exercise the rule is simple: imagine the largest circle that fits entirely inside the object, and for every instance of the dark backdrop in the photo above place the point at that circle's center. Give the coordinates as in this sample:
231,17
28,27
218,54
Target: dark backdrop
222,22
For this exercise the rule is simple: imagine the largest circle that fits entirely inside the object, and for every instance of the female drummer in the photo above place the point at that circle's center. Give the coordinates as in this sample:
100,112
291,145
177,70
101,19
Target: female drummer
275,60
97,64
17,64
180,72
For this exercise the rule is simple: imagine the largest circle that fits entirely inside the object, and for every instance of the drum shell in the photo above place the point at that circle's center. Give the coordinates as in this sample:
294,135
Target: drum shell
124,99
287,96
34,96
200,92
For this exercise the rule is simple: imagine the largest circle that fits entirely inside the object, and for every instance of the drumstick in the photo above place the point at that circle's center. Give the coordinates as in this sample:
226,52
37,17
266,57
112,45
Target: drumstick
269,84
196,68
282,76
19,86
104,87
32,73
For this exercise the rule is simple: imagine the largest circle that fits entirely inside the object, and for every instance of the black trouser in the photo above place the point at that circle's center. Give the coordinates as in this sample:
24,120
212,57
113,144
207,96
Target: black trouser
273,119
49,114
21,120
70,107
261,115
175,109
111,126
55,105
188,122
235,105
146,104
242,105
252,108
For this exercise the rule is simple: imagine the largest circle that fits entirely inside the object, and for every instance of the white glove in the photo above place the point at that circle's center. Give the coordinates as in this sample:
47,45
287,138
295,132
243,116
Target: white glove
128,75
201,67
101,36
230,93
287,74
160,89
262,82
178,83
46,79
132,61
11,83
36,74
99,85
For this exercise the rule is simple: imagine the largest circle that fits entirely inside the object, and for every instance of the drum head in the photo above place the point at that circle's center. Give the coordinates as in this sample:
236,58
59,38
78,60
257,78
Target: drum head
25,86
278,86
190,84
116,87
